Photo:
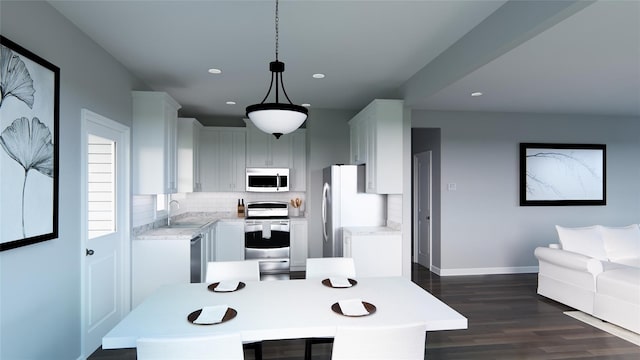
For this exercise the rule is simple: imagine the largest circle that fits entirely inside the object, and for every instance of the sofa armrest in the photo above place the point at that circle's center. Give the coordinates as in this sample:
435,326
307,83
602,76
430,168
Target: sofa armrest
569,260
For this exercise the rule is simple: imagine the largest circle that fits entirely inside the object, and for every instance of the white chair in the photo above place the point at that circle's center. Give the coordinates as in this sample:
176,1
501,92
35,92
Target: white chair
247,270
243,270
228,346
323,268
326,267
400,342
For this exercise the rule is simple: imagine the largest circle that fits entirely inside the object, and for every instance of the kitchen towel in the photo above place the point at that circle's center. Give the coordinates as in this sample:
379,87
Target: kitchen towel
266,230
211,315
352,307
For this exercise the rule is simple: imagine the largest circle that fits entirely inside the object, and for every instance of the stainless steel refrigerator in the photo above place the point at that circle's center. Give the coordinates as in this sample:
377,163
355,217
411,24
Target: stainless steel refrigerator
345,203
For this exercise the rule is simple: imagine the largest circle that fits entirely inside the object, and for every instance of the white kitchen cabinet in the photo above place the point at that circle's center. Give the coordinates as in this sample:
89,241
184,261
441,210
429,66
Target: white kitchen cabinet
299,247
232,162
155,117
209,159
264,150
298,170
377,142
376,251
222,159
188,155
229,240
358,139
159,262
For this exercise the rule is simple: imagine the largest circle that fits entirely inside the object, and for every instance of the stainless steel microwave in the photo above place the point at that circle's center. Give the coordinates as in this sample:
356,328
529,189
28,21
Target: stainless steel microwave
267,179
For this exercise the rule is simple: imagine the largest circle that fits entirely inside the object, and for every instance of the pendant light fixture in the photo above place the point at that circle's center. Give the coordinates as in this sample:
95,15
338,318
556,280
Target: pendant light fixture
277,118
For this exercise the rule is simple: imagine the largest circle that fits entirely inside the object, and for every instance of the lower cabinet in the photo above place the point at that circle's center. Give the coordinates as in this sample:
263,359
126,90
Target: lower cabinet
156,263
299,250
229,241
374,253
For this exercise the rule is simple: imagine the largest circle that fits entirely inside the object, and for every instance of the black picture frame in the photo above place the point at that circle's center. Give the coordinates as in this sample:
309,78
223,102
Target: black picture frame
563,174
29,147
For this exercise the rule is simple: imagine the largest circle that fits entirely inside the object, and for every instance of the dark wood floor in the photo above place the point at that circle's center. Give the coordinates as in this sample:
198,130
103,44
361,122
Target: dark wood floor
507,320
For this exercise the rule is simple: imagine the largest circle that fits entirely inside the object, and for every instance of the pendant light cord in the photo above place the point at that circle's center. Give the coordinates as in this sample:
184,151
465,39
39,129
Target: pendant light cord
277,36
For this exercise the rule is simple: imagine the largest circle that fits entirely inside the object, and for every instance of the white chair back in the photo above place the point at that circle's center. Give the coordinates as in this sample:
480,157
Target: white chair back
228,346
326,267
244,270
400,342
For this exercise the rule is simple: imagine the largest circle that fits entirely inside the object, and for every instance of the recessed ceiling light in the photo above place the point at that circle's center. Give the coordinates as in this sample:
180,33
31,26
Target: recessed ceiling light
477,93
215,71
318,76
230,103
306,105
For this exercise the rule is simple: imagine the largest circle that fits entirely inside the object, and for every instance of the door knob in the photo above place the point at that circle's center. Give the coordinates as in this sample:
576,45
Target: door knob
89,252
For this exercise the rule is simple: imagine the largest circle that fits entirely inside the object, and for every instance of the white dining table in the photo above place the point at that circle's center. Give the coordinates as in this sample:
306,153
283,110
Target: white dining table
283,309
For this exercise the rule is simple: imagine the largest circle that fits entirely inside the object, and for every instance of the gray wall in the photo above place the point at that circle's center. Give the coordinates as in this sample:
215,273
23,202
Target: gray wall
43,280
327,143
483,228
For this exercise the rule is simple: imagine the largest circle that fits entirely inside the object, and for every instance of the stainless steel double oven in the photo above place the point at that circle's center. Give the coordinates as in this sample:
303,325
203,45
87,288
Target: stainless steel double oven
267,239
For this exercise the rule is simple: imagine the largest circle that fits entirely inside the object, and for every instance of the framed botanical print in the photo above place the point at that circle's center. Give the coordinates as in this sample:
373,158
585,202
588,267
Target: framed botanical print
29,147
562,174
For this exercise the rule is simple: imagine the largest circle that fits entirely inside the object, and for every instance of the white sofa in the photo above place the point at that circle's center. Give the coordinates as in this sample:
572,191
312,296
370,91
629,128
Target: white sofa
596,270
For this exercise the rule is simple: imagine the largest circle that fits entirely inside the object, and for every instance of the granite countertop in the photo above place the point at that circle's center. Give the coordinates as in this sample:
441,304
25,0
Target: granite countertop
185,226
371,230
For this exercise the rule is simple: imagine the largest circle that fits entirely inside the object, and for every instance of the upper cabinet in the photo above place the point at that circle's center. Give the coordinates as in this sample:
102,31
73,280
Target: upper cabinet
222,159
376,140
264,150
155,117
298,169
290,151
188,155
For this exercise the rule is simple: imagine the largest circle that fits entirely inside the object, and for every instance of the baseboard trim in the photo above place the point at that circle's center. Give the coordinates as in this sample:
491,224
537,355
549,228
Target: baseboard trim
485,271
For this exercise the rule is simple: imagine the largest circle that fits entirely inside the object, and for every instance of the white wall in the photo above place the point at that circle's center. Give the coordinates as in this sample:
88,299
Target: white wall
40,283
483,228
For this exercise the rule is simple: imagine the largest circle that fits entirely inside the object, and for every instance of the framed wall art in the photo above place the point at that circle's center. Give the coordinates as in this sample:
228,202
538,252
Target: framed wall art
562,174
29,126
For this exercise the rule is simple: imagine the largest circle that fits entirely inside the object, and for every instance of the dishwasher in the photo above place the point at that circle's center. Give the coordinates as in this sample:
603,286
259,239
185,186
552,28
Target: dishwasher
196,259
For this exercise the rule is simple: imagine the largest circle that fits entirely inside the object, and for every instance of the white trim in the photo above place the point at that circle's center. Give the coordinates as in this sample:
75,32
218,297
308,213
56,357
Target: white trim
485,271
124,211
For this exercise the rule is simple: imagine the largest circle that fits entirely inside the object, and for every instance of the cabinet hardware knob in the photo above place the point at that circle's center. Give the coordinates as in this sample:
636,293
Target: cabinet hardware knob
90,252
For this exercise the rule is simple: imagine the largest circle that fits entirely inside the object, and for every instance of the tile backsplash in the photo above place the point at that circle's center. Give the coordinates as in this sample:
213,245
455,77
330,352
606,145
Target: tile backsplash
144,211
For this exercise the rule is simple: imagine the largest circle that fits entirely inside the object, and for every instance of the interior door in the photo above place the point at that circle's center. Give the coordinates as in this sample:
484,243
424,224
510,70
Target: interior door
105,227
422,211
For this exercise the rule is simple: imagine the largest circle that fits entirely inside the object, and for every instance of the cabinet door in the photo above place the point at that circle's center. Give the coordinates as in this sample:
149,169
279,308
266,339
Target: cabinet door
257,147
209,160
298,245
171,148
230,241
298,171
280,150
154,142
157,263
188,158
232,154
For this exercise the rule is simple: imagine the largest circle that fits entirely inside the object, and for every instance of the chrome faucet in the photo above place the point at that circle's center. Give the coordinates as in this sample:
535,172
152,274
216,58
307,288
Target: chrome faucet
169,210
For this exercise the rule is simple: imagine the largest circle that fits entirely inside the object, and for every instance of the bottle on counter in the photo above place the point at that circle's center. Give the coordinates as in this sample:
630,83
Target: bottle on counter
240,208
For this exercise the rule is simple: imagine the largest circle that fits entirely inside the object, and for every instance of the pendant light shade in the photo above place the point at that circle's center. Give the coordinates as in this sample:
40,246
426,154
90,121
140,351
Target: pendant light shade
277,118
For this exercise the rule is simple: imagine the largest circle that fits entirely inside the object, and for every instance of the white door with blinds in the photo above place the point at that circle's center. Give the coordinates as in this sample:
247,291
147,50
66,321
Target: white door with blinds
105,230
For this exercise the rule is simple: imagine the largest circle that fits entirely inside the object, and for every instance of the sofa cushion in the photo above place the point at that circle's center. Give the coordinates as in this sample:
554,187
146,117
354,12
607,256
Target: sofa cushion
621,243
622,283
583,240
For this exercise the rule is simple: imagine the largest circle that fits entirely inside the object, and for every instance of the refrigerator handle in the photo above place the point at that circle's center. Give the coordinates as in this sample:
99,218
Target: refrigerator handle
325,194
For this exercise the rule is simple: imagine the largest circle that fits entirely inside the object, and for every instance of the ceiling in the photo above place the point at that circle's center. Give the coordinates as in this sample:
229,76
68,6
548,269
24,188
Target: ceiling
574,57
